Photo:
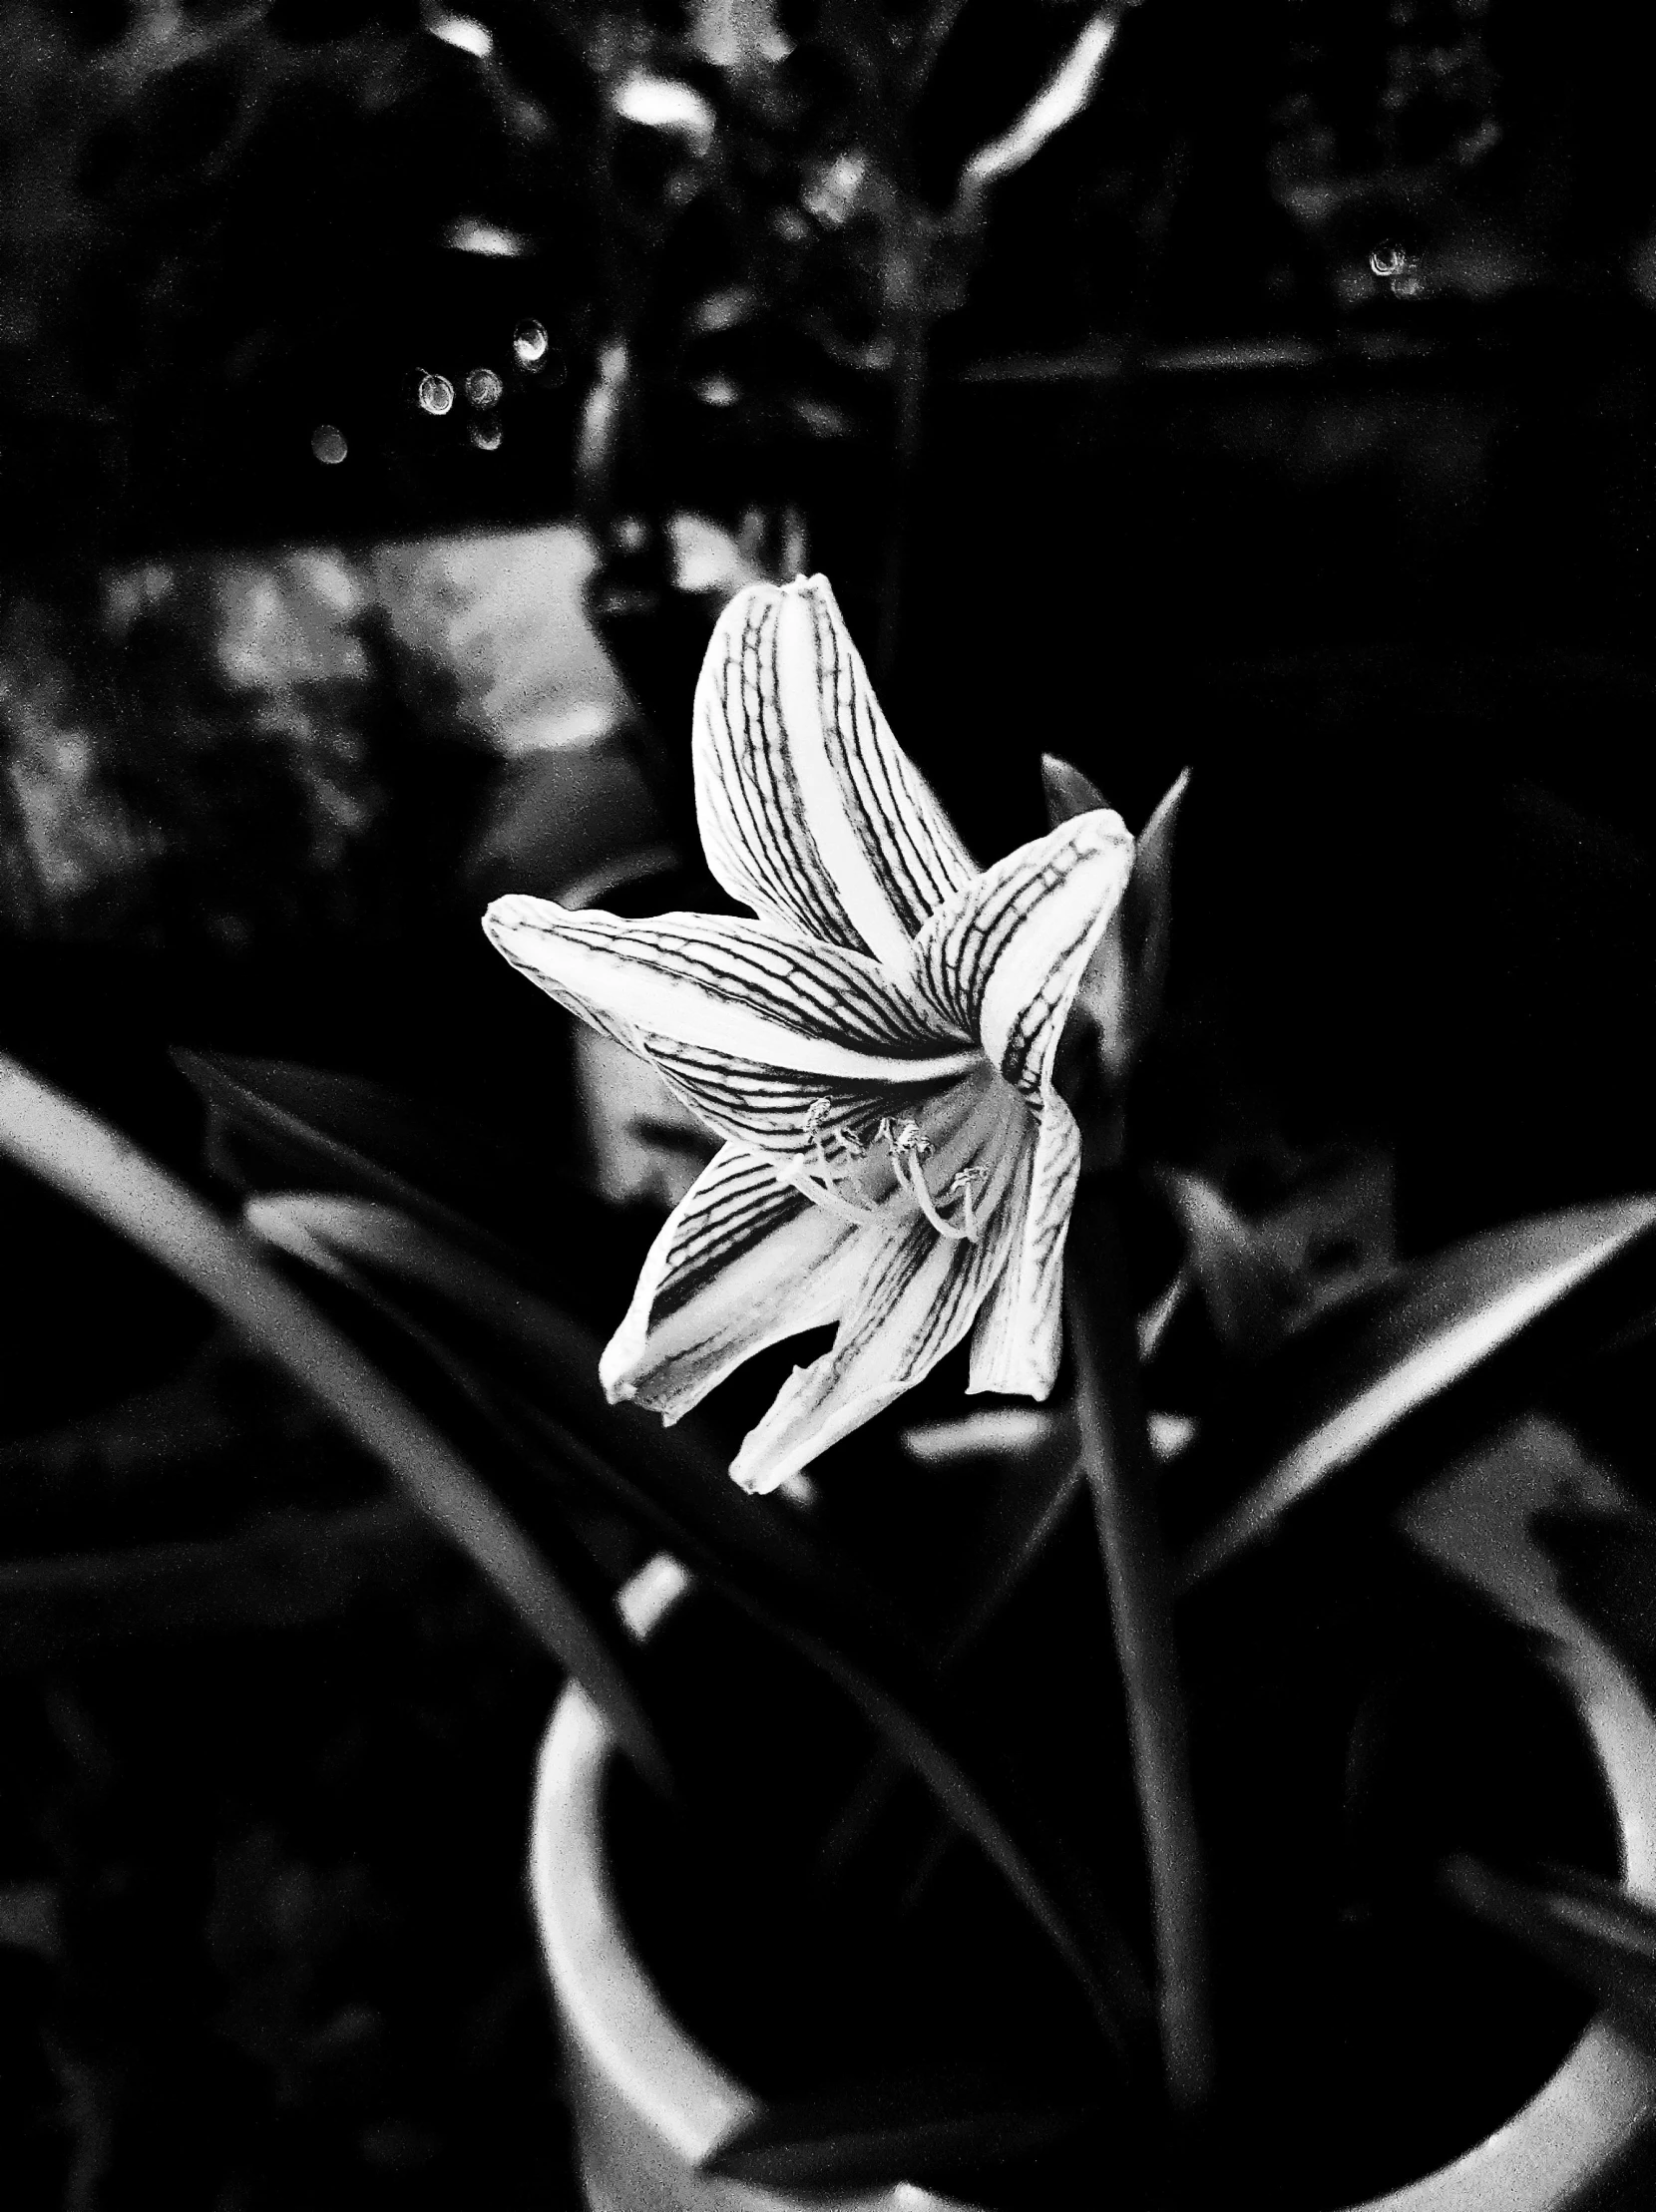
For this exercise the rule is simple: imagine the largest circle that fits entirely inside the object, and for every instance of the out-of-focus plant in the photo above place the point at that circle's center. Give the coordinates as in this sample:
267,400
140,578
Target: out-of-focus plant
224,233
783,250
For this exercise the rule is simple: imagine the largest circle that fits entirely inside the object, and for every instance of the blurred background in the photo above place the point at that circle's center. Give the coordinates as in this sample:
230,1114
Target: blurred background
389,398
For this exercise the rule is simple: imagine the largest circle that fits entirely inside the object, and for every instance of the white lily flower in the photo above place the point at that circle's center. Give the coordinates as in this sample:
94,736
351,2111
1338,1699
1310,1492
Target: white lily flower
876,1048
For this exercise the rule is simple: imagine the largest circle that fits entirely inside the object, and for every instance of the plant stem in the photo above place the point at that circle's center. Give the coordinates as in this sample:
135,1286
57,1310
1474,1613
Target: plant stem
1120,1470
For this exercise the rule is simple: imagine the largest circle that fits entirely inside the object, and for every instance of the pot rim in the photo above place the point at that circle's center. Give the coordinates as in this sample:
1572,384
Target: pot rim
1576,2128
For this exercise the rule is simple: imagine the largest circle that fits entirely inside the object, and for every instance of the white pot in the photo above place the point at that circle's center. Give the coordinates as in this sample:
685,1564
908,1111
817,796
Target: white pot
650,2105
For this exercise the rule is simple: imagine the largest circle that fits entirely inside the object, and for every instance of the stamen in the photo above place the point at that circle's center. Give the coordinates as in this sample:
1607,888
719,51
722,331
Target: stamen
821,1194
909,1139
916,1184
815,1114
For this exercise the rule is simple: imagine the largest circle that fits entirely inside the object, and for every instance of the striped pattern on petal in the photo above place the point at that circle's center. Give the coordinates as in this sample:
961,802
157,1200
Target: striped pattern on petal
741,1262
920,1298
1005,956
809,809
759,993
1020,1334
768,1107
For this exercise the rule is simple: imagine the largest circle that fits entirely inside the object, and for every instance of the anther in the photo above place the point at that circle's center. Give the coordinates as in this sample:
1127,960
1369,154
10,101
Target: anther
962,1188
815,1115
916,1184
909,1139
815,1178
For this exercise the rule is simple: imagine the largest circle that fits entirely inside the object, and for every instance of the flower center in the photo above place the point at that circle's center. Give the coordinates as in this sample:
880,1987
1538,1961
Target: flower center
909,1147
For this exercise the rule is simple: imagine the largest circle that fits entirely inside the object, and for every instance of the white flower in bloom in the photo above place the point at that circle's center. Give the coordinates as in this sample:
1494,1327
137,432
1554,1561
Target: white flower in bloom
876,1048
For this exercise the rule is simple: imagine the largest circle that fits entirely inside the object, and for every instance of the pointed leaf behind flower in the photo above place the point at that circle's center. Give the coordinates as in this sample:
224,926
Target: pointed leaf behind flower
1248,1290
1127,975
1147,908
1068,792
1351,1381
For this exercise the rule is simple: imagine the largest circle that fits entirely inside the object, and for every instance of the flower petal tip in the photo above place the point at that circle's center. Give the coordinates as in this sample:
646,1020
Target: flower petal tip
516,910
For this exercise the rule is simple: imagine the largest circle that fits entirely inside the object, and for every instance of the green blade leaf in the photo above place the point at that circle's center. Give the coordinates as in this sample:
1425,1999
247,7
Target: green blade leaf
100,1170
1354,1380
881,2133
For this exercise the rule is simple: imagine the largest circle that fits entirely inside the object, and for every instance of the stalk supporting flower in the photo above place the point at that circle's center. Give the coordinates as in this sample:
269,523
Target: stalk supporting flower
1120,1470
875,1046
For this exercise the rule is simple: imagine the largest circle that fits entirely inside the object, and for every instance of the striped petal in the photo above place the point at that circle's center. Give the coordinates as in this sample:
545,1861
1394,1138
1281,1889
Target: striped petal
1008,955
1020,1334
760,994
1003,958
742,1262
788,1113
919,1297
811,811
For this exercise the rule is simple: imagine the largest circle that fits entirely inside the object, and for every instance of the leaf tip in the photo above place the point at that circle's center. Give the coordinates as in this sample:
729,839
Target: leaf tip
1068,792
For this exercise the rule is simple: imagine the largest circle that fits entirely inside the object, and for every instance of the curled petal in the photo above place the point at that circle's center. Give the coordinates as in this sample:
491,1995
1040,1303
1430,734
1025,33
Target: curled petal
758,993
1020,1334
742,1261
811,811
1005,957
918,1297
